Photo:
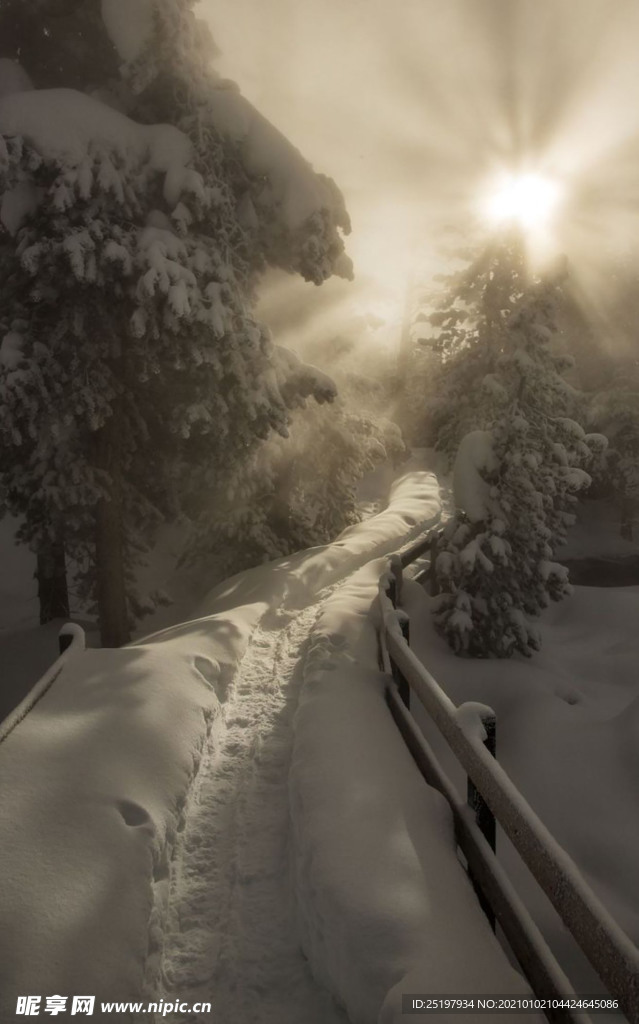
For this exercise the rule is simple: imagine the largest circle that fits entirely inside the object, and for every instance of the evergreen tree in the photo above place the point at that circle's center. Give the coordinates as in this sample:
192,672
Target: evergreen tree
470,321
515,485
140,361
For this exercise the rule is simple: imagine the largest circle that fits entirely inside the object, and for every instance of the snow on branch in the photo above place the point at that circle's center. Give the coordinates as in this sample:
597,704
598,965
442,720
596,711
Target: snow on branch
301,212
66,127
129,24
475,460
302,379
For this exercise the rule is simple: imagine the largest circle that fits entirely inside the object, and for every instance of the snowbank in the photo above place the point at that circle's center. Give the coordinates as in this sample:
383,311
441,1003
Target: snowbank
96,777
384,905
93,779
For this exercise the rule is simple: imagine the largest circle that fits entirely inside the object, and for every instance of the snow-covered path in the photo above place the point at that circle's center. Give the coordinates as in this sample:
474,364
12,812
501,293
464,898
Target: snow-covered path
231,937
160,775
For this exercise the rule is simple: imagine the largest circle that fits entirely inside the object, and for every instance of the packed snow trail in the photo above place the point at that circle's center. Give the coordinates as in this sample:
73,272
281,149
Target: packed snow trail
231,937
134,762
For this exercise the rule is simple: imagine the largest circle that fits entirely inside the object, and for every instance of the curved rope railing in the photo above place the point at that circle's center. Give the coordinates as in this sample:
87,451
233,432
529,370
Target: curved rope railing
72,641
469,731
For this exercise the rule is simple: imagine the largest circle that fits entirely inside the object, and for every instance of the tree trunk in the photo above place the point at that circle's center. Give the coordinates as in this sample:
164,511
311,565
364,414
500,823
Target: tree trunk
51,575
112,609
627,518
109,547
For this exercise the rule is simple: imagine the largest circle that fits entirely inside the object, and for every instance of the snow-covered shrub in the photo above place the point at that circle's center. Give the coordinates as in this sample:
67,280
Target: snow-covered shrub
300,491
466,320
515,485
296,492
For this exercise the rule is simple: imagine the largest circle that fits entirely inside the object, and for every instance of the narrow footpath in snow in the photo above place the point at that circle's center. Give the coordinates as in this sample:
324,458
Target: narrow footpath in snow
231,937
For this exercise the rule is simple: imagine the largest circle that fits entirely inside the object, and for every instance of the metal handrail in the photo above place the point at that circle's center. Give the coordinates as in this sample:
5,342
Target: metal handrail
612,954
72,641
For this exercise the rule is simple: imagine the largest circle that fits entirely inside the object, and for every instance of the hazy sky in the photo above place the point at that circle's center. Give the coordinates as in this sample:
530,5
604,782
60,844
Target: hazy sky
412,106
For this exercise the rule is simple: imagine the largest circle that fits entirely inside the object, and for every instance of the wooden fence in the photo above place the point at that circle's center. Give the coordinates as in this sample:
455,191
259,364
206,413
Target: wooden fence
492,797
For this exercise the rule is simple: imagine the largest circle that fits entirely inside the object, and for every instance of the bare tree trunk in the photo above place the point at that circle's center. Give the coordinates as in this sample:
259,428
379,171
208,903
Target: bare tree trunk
111,589
51,575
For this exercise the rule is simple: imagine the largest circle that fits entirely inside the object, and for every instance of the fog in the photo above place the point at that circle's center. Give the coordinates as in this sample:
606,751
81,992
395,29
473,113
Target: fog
415,107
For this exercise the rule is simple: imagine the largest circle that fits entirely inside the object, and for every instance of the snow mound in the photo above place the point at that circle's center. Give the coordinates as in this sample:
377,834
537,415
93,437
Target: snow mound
93,779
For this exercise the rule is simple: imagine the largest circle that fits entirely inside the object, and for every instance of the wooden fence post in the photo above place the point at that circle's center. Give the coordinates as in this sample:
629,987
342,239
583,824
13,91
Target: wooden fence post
483,815
396,580
69,633
402,684
64,640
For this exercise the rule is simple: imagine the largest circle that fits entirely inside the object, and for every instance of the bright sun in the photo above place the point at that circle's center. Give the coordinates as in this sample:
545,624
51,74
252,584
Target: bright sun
527,199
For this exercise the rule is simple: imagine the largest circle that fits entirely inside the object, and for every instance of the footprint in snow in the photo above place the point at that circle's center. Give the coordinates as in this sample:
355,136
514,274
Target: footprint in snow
210,672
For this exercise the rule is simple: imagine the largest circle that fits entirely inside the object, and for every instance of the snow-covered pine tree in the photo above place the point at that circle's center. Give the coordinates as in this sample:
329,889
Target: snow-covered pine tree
293,218
140,361
469,317
151,59
515,485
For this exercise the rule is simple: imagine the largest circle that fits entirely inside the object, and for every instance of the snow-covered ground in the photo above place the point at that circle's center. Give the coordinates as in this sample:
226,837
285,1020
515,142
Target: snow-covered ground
145,810
224,811
568,735
384,906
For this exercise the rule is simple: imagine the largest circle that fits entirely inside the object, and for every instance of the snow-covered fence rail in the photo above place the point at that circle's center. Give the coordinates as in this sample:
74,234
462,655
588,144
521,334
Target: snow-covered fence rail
71,641
612,954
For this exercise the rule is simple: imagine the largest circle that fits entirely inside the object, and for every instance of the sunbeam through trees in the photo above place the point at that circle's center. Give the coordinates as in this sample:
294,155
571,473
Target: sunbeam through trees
319,492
